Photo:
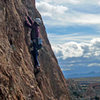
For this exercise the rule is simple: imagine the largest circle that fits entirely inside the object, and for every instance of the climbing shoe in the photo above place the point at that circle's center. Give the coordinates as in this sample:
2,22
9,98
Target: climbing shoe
37,70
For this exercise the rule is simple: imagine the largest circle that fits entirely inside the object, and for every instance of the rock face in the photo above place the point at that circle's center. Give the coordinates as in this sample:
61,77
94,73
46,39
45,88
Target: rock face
17,79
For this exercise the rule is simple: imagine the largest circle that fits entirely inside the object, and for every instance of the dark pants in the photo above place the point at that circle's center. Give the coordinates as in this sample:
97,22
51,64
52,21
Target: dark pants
35,54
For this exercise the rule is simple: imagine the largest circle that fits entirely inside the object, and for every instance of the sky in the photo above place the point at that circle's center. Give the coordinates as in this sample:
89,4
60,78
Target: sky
73,28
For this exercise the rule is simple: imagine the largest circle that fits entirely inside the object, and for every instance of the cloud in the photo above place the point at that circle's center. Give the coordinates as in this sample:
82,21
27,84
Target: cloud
74,49
50,10
75,37
93,49
99,3
88,19
93,64
73,2
65,69
92,2
59,13
62,1
66,50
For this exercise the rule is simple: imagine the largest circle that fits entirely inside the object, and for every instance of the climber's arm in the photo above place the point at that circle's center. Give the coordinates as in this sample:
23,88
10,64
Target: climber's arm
30,20
27,23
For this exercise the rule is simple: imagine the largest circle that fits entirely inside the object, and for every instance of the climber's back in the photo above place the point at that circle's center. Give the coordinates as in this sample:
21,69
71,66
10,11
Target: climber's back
35,32
34,25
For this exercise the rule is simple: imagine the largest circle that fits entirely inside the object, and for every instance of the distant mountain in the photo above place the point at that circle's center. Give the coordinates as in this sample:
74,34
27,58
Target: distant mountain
80,67
90,74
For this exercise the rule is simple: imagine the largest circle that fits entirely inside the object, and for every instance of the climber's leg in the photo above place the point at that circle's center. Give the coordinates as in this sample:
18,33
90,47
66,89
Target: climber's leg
36,63
36,59
35,56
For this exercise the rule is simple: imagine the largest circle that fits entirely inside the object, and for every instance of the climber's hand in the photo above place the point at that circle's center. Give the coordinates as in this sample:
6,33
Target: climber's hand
26,18
26,12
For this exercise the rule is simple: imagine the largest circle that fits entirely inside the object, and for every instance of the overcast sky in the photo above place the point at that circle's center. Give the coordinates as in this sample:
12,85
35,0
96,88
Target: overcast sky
70,12
73,27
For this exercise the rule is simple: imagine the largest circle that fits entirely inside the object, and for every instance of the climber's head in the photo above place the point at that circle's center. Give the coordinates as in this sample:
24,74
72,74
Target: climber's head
38,21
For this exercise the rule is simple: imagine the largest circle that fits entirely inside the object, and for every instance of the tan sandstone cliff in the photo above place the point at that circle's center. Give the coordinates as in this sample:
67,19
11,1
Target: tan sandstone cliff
17,79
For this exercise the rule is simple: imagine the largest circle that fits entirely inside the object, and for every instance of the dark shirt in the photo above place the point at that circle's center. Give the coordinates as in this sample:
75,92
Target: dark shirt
35,29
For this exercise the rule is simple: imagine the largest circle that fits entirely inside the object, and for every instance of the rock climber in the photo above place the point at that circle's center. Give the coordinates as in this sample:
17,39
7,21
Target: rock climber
35,39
